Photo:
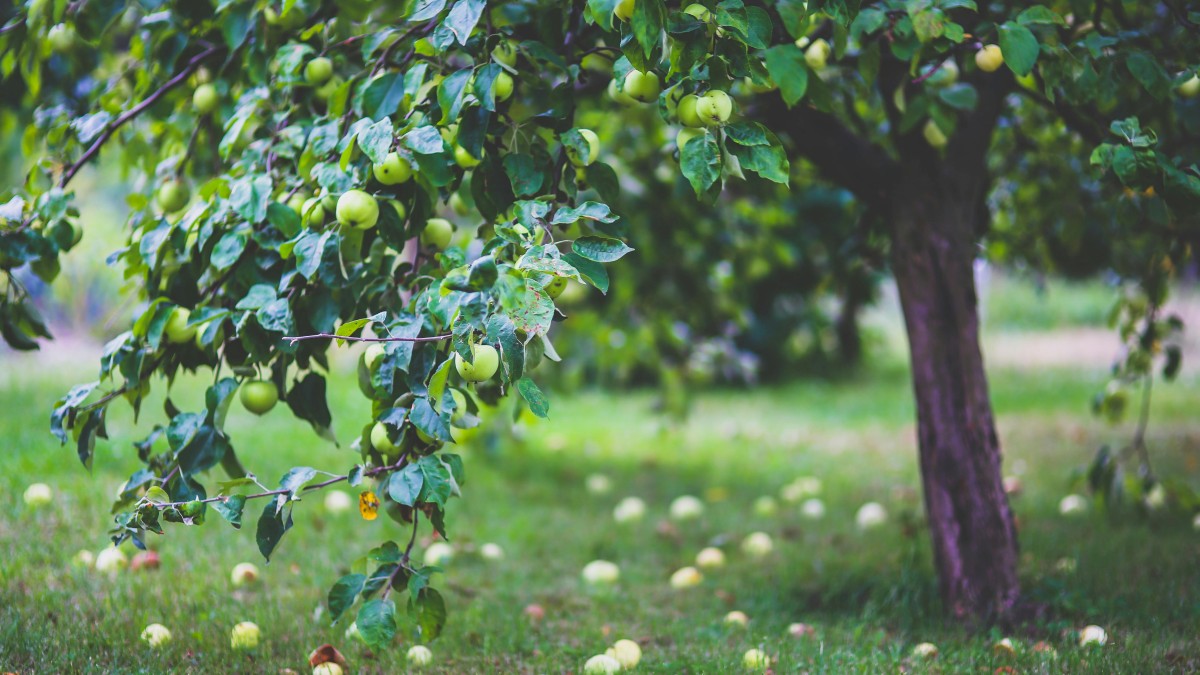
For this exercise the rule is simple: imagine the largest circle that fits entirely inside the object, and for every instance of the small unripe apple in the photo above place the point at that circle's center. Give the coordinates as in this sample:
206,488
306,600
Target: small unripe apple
945,74
205,99
313,213
465,159
698,12
601,572
624,10
381,440
438,553
737,619
817,54
245,635
756,659
173,195
593,145
419,656
177,331
437,233
156,635
61,37
556,287
925,650
627,652
318,71
619,96
259,396
710,558
629,510
505,52
686,507
870,515
243,574
296,203
990,58
714,108
38,495
1092,635
1191,87
328,668
642,87
686,134
502,87
686,577
486,362
111,560
337,501
688,112
357,209
393,170
490,551
758,544
459,205
602,664
934,135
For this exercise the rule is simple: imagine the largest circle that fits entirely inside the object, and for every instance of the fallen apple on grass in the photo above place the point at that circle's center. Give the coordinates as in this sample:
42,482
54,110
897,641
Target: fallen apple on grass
601,573
602,664
925,650
245,635
686,577
870,515
439,553
111,560
756,659
758,544
686,507
630,509
38,495
710,558
627,653
243,574
736,619
419,656
156,635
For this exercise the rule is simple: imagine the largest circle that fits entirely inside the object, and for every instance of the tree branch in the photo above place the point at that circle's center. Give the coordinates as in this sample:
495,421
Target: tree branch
133,112
330,336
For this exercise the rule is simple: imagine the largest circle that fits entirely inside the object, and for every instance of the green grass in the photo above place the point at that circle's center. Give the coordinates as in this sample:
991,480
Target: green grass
870,596
1016,302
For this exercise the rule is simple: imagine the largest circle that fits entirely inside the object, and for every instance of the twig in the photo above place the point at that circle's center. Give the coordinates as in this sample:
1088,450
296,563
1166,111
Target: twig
133,112
330,336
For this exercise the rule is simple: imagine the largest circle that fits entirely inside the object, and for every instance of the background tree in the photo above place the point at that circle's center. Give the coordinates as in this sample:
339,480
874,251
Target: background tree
293,162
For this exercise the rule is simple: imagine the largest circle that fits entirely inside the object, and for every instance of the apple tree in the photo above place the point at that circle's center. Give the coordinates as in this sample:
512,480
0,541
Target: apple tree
297,164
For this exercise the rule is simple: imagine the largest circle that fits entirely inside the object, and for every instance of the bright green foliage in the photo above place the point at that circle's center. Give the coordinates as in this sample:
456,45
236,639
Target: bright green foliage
481,100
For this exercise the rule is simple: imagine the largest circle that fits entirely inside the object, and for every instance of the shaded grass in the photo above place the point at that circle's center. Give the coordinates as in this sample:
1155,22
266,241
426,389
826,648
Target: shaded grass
871,596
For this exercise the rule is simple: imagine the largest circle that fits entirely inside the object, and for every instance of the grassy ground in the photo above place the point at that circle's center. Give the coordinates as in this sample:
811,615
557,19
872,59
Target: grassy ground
869,595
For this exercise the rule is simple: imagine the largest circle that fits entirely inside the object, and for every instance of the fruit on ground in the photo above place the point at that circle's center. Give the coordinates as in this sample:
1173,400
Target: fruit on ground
439,552
601,573
38,494
173,195
990,58
328,668
318,71
593,149
245,635
1092,635
205,99
870,515
686,577
337,501
627,652
419,656
925,650
755,659
598,484
765,506
736,618
623,10
177,330
85,559
156,635
758,544
244,573
486,360
686,507
437,233
259,396
393,170
714,108
629,510
491,551
710,558
601,664
111,560
357,209
642,87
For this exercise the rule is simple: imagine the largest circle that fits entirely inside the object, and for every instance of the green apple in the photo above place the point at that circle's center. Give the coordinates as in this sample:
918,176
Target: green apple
556,287
111,560
289,20
714,108
419,656
61,37
156,635
505,52
602,664
817,54
642,87
327,90
624,10
686,577
990,58
381,440
312,213
373,354
393,170
459,205
756,659
617,95
593,143
38,495
328,668
1190,88
710,558
945,74
296,203
688,111
627,652
177,331
736,619
465,159
259,396
600,572
173,195
686,507
757,544
934,135
437,233
357,209
205,99
243,574
686,134
698,12
245,635
502,87
486,362
756,88
318,71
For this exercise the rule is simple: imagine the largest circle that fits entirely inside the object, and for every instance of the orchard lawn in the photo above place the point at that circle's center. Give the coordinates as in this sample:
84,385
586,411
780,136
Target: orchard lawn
869,596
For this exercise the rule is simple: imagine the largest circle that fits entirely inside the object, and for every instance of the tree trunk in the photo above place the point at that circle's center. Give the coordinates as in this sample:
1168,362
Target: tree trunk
974,540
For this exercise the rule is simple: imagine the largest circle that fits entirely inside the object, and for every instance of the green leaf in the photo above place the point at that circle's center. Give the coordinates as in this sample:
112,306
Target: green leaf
429,612
272,525
786,65
600,249
500,330
405,485
1040,14
585,211
1019,46
961,96
701,163
591,271
377,140
462,18
538,403
768,161
438,486
295,479
231,509
647,23
383,96
451,92
307,401
1150,74
376,622
343,593
425,418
